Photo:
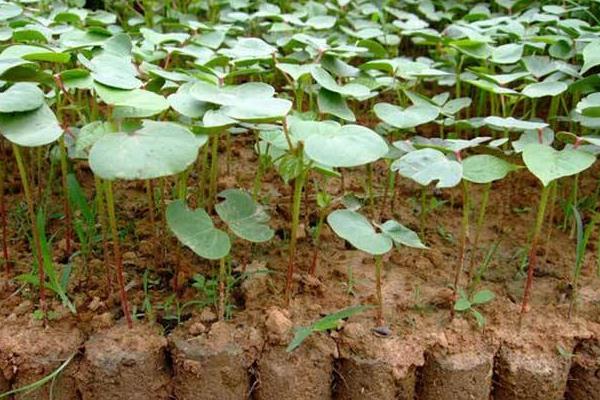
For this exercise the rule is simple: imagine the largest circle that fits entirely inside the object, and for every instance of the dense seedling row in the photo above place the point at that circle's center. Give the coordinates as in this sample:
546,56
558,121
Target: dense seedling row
439,93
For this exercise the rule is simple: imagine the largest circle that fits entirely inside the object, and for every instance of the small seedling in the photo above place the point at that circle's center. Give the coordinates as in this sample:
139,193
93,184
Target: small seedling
330,322
465,304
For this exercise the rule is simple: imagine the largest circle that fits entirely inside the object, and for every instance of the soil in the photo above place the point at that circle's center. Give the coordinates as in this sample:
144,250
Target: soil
423,353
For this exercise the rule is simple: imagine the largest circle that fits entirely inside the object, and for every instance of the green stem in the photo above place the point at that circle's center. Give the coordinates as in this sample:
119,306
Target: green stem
423,212
110,202
222,283
34,231
464,234
214,170
66,203
539,222
296,203
102,218
480,219
379,295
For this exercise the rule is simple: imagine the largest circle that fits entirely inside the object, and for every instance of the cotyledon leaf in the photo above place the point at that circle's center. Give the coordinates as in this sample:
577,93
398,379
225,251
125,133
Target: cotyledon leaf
427,165
356,229
31,128
549,164
485,168
407,118
195,229
244,216
155,150
20,97
345,146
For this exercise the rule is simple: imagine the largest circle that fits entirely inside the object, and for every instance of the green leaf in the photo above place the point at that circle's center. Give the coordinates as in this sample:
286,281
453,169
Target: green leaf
356,229
478,317
334,103
184,103
34,53
299,336
548,164
485,168
483,296
155,150
9,10
507,54
401,235
6,64
195,229
296,71
591,56
244,216
89,135
542,89
21,97
326,81
114,71
137,103
462,304
513,123
344,146
31,128
409,117
427,165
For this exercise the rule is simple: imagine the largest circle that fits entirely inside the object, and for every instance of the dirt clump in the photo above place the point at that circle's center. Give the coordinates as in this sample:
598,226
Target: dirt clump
377,367
584,381
123,363
29,353
213,363
303,374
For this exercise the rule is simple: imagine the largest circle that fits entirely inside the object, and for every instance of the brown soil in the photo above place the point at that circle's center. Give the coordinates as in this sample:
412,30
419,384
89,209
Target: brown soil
584,382
122,363
29,353
215,363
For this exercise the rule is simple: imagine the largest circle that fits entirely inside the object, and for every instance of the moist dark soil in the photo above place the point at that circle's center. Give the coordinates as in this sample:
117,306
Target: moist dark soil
424,352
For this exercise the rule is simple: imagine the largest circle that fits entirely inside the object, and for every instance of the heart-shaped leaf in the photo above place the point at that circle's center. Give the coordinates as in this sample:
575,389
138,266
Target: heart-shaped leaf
548,164
137,103
401,235
326,81
195,229
356,229
244,216
485,168
21,97
514,124
427,165
343,146
155,150
407,118
551,88
31,128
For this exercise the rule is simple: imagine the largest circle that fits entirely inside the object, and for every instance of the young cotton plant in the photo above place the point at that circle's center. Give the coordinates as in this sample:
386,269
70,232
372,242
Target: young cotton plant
196,230
373,239
548,165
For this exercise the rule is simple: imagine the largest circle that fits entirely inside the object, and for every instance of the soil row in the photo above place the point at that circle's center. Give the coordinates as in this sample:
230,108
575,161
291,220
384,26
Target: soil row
234,361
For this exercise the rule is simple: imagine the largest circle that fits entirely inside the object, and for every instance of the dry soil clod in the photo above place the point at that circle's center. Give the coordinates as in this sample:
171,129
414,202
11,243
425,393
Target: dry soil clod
584,379
28,354
530,374
460,376
214,364
122,363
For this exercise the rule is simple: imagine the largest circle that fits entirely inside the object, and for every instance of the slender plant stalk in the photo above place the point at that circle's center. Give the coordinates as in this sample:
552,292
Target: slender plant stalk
214,170
110,201
480,219
66,203
369,184
579,262
317,239
423,212
222,278
3,216
464,235
539,223
379,295
152,215
296,203
34,231
102,218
